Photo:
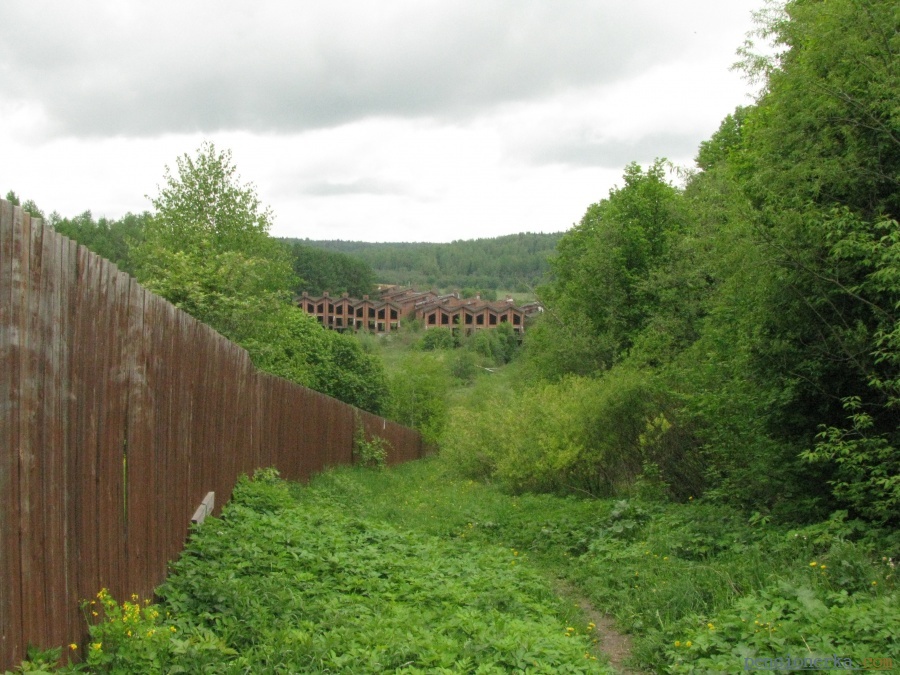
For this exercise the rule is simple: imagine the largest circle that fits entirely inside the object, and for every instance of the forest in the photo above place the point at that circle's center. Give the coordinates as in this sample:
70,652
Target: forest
736,333
515,262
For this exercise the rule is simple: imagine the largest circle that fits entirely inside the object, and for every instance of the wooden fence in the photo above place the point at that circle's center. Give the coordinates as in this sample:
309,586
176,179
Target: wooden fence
118,413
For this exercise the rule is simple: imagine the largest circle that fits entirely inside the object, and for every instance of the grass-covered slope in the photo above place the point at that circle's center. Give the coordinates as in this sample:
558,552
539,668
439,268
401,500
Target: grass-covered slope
412,570
286,583
699,586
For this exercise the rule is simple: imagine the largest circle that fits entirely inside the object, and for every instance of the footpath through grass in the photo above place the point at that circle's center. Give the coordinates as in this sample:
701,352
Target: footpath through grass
702,588
410,570
292,580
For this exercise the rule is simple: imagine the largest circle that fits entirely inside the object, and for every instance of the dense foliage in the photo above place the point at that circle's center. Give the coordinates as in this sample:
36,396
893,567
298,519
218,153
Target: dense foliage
207,247
753,310
514,262
700,586
112,239
296,347
320,270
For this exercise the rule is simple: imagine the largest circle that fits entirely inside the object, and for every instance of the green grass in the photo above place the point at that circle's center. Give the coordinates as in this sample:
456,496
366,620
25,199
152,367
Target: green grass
291,580
698,585
414,570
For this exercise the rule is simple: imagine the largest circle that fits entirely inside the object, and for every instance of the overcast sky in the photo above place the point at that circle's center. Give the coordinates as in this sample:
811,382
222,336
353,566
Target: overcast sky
374,120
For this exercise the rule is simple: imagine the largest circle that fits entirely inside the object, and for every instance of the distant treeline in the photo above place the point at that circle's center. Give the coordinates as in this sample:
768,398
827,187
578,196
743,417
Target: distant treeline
513,262
516,262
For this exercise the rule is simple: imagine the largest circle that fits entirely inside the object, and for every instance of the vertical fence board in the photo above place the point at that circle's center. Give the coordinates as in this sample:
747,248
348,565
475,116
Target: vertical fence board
216,444
67,287
109,470
154,331
53,451
232,440
183,449
139,483
243,428
83,432
202,432
12,311
31,523
171,476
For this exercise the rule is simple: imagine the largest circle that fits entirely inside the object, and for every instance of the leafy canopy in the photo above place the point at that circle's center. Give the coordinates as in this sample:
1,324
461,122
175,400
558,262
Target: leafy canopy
207,248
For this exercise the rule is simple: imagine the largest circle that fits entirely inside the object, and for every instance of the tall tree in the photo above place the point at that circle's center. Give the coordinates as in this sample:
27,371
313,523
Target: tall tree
596,303
821,161
207,247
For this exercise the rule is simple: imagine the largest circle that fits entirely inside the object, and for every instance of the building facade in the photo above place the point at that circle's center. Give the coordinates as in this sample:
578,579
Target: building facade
383,315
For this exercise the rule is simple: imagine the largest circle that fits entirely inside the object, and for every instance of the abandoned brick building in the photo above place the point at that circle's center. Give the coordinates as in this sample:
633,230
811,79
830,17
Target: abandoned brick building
383,315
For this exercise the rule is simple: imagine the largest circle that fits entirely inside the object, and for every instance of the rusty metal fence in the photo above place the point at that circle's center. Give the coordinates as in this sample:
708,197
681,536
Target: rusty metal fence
118,413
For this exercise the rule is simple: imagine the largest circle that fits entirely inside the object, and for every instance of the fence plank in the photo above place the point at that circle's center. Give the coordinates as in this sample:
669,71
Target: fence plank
12,311
84,434
67,294
31,523
52,451
138,447
113,425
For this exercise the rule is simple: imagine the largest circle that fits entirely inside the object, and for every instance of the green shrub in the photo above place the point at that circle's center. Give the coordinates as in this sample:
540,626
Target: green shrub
369,452
578,434
437,338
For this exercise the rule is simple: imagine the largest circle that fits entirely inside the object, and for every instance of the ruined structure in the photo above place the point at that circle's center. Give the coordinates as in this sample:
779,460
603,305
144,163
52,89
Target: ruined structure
383,315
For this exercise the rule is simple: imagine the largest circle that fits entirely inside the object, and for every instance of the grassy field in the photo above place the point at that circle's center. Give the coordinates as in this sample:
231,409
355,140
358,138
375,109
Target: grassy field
290,579
412,570
700,587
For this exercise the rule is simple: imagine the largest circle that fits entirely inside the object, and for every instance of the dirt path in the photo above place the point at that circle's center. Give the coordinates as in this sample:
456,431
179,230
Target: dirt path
615,645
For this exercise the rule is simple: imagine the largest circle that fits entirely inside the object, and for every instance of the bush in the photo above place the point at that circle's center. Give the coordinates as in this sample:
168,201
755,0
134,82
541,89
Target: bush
580,434
437,338
418,398
368,452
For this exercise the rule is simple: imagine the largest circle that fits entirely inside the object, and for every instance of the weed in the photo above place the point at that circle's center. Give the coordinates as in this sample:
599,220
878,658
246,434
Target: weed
368,452
413,570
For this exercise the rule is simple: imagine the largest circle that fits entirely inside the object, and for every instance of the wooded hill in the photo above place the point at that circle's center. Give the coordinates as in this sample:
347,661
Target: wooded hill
512,262
737,335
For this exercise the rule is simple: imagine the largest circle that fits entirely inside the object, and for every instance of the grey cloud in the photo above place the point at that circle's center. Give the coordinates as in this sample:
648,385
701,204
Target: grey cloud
356,187
133,68
616,154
